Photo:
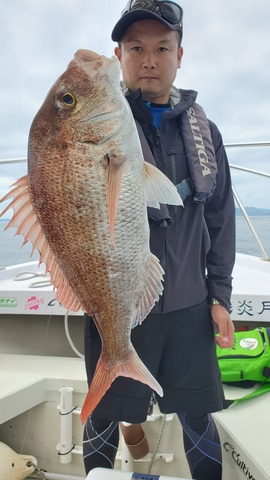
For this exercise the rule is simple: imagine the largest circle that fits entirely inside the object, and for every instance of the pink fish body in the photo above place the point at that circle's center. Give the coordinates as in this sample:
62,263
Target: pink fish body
83,205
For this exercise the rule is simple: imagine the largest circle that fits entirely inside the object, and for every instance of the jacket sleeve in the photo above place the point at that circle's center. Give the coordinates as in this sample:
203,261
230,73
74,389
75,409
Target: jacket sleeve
220,221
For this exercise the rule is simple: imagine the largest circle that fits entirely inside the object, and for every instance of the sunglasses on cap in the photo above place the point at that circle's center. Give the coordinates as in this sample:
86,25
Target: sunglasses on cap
170,11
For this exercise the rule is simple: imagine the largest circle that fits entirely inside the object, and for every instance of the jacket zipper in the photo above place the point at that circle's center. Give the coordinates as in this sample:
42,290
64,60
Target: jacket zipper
163,257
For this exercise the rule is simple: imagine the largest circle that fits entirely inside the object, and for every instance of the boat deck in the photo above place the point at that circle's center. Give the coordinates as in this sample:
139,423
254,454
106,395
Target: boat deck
27,380
244,431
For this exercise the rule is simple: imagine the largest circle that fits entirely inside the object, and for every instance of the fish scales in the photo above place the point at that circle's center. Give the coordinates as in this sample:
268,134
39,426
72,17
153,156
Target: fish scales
85,211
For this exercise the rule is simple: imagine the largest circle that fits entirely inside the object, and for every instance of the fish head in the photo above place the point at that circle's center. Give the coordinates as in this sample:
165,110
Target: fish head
81,130
84,106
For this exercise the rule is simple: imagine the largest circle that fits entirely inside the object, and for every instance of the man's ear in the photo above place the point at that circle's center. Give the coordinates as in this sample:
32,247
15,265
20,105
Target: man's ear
118,53
179,56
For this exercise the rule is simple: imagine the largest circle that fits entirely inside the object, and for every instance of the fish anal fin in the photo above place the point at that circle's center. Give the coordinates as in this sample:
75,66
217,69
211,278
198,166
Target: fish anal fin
159,188
105,374
152,291
64,292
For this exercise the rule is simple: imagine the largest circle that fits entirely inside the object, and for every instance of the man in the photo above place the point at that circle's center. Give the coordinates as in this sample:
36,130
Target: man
176,341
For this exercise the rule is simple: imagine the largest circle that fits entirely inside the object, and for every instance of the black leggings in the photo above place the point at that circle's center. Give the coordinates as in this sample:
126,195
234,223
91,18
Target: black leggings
201,443
202,446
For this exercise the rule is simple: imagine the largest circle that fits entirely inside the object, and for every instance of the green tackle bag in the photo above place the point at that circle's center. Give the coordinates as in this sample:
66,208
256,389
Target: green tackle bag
247,363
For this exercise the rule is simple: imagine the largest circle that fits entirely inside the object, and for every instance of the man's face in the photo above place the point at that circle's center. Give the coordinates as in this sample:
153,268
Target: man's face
150,56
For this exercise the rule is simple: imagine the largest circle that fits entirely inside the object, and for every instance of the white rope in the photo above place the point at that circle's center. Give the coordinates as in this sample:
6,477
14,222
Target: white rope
79,354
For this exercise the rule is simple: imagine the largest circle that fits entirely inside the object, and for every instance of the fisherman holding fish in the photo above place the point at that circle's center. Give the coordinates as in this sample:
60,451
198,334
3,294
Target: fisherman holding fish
128,201
176,341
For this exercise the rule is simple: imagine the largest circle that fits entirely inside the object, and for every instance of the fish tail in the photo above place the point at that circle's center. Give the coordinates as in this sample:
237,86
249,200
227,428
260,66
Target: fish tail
105,374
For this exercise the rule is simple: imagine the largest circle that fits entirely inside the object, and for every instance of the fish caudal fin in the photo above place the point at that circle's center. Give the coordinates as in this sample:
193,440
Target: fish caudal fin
159,188
105,374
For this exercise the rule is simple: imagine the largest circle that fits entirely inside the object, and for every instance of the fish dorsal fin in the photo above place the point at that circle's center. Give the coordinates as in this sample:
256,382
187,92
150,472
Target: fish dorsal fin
27,223
159,188
152,292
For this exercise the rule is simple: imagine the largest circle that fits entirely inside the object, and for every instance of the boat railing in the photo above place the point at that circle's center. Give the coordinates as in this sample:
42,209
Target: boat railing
240,204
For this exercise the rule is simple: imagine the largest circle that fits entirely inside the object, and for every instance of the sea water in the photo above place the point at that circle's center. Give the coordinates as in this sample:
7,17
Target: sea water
12,252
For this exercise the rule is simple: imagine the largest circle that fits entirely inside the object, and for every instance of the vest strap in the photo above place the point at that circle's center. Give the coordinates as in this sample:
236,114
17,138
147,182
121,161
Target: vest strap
199,151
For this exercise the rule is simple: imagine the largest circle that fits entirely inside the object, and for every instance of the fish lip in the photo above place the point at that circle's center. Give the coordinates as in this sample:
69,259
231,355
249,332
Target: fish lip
87,55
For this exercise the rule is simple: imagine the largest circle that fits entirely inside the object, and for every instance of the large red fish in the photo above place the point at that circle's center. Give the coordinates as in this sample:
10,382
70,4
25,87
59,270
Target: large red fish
83,205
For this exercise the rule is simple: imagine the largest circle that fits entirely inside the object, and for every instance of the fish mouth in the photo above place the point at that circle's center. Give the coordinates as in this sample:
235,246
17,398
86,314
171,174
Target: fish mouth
86,55
91,61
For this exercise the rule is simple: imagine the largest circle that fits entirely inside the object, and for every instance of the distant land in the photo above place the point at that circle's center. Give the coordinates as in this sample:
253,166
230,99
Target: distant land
254,212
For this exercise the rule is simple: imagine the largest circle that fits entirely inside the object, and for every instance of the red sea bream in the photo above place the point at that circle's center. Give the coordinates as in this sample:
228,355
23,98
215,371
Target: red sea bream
83,205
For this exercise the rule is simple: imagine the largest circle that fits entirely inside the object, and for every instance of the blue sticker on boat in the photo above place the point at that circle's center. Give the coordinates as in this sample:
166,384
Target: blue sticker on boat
144,476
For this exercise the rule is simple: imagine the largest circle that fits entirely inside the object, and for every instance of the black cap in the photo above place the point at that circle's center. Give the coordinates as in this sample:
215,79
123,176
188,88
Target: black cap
130,16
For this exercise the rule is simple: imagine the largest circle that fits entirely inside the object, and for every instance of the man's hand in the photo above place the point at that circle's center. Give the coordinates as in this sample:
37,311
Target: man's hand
224,324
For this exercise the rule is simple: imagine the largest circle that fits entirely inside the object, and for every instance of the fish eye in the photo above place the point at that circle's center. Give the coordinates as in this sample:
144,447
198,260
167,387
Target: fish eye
69,99
66,100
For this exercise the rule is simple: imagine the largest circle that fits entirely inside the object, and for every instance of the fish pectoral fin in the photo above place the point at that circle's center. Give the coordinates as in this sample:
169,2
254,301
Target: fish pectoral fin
117,166
151,293
131,367
27,223
159,188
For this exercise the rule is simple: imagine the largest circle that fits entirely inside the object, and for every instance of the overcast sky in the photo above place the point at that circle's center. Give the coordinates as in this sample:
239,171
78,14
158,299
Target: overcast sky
226,59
